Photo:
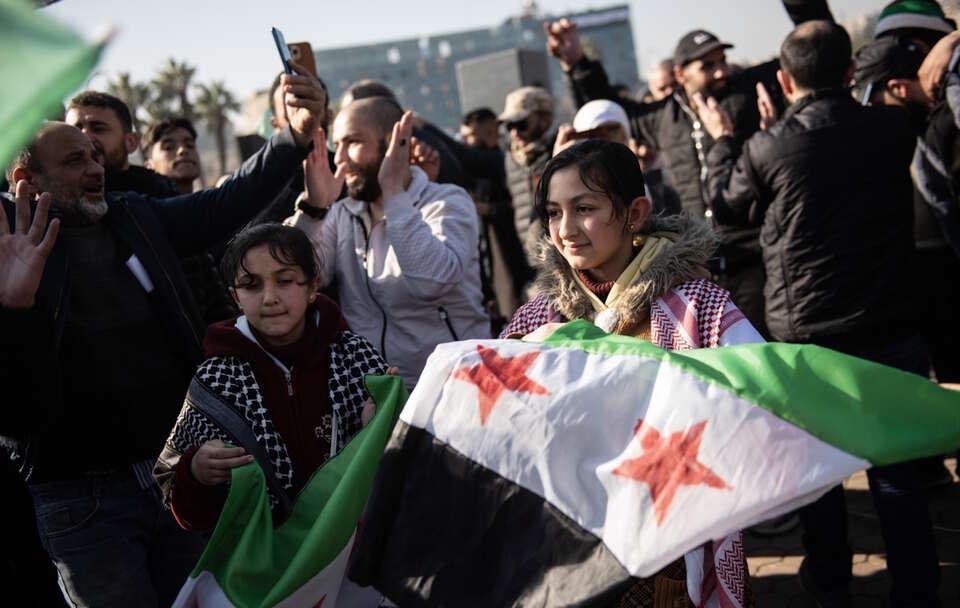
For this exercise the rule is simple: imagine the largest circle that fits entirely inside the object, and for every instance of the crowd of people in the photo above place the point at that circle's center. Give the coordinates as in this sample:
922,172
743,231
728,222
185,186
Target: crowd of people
811,199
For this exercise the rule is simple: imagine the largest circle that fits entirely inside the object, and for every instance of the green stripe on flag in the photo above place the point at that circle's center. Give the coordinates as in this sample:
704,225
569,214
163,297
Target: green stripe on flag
42,63
256,564
872,411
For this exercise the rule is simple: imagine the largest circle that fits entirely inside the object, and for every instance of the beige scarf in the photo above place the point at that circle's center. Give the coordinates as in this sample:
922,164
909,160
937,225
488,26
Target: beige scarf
653,245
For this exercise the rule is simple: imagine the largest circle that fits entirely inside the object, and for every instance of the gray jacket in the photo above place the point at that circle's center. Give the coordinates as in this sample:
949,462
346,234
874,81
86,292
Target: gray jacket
411,281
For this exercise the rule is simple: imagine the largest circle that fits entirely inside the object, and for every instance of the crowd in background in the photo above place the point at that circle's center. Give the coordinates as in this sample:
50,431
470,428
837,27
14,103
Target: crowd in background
817,194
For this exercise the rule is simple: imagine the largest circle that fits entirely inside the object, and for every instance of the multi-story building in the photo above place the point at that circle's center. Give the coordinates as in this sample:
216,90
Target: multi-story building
421,71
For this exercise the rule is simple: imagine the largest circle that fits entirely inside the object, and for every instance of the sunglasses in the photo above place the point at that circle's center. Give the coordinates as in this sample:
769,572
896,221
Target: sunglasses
520,125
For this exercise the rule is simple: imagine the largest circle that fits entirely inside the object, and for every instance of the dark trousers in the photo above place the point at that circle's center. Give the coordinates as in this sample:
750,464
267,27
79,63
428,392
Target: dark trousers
901,505
113,543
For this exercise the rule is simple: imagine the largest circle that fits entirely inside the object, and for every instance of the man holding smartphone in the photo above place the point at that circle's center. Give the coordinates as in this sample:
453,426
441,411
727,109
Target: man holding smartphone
100,337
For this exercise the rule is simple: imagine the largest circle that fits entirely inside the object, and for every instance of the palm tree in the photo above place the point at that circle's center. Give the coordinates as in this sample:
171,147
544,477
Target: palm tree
213,103
135,94
172,83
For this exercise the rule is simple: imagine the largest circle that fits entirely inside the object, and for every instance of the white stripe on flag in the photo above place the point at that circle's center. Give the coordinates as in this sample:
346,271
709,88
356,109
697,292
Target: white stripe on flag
566,446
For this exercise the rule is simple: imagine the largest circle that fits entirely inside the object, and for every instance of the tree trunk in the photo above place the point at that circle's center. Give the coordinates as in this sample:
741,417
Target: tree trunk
222,144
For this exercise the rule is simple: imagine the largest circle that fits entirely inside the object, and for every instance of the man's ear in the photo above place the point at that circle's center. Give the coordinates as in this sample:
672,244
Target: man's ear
899,88
148,164
678,75
786,83
274,123
20,174
130,142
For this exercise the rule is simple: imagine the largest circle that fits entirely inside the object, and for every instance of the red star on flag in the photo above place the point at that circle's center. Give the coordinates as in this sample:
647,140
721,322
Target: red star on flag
668,463
495,374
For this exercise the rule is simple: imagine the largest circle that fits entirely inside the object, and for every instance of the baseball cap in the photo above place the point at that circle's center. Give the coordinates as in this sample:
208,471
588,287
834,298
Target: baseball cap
695,45
524,101
883,59
600,112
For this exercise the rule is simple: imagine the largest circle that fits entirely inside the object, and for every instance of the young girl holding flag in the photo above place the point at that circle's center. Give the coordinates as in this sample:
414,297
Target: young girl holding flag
283,382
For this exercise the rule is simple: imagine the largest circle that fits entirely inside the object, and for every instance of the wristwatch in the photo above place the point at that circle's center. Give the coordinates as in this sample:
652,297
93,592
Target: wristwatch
317,213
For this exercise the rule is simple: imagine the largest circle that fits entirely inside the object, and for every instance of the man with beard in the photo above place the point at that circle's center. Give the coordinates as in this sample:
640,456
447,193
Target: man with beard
107,121
402,248
528,118
99,342
673,129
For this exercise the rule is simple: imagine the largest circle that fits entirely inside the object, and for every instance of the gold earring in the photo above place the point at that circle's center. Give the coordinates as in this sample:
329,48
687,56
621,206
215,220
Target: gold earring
637,240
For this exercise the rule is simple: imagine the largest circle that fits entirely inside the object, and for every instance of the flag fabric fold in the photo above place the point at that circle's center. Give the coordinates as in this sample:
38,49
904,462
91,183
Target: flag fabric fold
249,563
43,62
559,473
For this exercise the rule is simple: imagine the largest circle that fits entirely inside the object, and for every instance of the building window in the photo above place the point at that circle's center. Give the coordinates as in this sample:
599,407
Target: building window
393,55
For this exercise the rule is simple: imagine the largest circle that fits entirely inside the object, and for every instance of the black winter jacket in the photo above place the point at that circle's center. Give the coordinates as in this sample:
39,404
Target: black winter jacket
157,231
829,186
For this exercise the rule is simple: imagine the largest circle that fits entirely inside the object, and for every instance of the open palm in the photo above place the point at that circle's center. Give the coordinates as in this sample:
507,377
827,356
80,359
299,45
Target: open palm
24,252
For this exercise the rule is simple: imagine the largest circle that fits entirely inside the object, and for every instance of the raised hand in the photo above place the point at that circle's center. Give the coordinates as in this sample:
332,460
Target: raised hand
24,253
563,42
306,102
394,175
212,463
768,111
935,64
321,185
370,407
715,120
566,137
425,157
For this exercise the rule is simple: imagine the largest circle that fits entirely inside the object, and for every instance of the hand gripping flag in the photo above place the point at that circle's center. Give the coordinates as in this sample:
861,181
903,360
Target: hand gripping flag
249,563
551,474
42,62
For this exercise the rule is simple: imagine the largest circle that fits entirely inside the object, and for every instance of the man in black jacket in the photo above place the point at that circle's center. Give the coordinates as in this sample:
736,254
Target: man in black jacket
99,341
672,128
829,185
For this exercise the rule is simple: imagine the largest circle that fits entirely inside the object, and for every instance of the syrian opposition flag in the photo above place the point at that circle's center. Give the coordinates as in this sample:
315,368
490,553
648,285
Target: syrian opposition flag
249,563
551,474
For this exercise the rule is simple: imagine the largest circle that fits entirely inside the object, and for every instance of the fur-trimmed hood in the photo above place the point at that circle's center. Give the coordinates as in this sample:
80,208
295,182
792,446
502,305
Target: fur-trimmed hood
695,242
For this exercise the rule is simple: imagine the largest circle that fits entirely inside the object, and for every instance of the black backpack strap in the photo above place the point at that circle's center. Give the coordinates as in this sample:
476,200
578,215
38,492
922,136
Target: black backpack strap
203,399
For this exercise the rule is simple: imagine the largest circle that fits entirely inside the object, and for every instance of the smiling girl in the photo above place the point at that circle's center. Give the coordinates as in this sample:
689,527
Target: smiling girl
285,373
606,259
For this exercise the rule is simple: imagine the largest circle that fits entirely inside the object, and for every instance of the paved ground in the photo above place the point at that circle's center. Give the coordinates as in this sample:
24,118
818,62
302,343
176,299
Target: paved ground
774,561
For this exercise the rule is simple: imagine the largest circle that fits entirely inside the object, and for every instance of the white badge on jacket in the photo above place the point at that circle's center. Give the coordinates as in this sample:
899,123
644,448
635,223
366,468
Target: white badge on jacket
136,267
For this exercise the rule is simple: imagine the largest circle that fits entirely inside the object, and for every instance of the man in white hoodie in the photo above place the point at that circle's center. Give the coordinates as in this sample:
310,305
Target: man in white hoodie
403,250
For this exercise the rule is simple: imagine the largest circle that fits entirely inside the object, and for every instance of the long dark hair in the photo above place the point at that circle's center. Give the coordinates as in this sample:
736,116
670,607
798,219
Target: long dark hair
286,244
605,167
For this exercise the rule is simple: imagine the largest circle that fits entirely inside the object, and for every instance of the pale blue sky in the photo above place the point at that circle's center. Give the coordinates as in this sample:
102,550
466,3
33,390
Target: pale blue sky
230,39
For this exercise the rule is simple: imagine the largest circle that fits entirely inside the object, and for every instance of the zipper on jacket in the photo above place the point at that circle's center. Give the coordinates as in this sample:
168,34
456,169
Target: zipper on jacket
289,377
366,275
446,319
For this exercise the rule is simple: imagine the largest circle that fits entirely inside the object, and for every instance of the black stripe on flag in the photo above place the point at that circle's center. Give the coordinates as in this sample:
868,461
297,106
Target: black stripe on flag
441,530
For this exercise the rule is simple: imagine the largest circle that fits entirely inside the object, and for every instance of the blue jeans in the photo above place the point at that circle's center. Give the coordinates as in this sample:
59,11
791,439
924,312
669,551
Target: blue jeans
901,505
113,543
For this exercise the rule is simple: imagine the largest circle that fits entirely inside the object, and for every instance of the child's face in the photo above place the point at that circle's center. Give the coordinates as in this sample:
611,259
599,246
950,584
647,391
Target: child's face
274,296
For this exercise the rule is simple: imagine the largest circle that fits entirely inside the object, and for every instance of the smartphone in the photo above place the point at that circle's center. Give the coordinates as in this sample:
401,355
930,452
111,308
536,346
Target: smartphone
282,49
302,53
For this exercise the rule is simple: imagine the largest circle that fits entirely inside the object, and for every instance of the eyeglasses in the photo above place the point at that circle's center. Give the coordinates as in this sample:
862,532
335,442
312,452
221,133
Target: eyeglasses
520,125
